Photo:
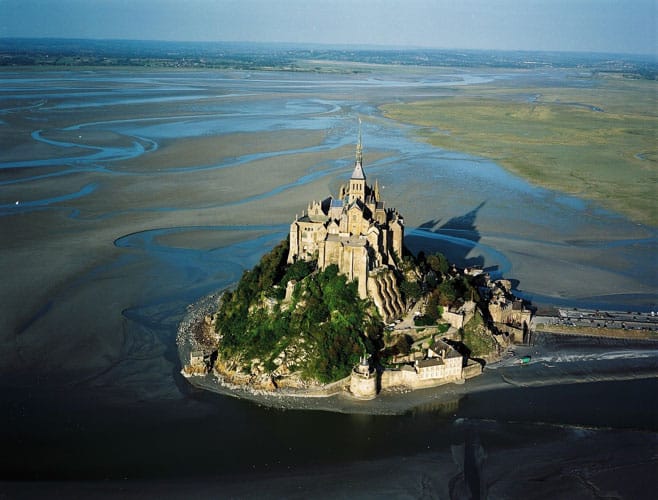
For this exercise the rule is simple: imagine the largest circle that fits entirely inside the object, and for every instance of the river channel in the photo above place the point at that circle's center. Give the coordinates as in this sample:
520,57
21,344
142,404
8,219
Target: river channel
124,197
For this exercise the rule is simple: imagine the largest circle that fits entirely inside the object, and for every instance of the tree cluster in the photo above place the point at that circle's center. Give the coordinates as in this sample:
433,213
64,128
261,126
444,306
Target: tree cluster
325,311
441,286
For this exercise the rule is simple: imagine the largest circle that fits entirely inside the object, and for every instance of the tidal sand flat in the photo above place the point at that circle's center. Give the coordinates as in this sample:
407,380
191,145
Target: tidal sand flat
121,223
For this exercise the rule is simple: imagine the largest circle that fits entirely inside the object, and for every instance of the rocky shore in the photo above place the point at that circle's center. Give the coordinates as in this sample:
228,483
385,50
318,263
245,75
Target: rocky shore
193,319
444,398
303,396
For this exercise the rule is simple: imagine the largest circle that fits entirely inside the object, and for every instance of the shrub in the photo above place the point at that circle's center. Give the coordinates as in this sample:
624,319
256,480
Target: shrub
476,338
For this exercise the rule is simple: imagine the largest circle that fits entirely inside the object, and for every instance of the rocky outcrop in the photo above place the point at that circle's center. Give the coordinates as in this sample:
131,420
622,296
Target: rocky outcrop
196,338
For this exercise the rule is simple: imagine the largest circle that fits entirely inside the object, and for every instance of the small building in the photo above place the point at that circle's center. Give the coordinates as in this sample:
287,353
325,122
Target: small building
197,364
462,315
442,362
506,309
430,368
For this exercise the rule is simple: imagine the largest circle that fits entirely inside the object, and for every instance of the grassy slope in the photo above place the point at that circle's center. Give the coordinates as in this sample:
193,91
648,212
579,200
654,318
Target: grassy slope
552,137
477,338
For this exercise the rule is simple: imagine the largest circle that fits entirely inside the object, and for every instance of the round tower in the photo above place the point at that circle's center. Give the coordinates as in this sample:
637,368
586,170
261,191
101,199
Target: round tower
363,380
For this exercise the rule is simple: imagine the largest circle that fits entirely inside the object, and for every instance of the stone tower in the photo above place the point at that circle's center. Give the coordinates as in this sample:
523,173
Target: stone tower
363,380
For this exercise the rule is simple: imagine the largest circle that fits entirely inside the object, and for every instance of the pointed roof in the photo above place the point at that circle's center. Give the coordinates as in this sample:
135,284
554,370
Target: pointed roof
358,204
358,164
358,172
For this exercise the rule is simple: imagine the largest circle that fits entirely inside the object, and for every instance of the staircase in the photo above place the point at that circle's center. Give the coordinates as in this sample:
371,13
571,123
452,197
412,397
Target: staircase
384,291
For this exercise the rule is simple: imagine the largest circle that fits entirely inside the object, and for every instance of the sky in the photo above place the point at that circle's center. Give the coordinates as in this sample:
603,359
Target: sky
619,26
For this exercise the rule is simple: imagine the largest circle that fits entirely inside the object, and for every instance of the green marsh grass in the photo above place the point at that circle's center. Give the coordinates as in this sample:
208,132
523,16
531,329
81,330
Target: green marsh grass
598,142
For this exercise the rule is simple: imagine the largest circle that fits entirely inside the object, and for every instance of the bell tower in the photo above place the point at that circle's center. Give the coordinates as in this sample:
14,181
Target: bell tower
357,187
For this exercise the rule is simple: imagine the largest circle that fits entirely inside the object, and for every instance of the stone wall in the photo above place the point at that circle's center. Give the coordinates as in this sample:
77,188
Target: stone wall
363,386
409,379
456,320
391,379
473,369
516,335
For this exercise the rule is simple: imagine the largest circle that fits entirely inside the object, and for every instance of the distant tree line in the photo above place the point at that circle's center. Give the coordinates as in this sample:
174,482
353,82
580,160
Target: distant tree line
253,56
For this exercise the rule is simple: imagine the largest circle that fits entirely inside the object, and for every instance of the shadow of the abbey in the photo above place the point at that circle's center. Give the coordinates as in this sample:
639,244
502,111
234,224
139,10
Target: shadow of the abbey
456,239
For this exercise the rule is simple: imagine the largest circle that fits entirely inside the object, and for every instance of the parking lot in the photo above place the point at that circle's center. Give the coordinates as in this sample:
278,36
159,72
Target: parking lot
608,319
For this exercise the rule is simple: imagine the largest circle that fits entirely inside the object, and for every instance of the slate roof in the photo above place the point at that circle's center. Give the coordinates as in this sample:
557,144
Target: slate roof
425,363
358,172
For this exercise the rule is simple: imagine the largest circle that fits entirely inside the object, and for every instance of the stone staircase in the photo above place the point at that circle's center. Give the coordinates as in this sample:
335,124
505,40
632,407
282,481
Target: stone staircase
384,291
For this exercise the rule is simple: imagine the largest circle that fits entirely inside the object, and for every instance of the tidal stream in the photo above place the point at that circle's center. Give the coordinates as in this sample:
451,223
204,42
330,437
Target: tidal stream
111,226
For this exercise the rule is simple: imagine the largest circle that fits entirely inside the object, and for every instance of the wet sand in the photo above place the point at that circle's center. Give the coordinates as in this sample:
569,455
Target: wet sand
580,473
62,254
97,280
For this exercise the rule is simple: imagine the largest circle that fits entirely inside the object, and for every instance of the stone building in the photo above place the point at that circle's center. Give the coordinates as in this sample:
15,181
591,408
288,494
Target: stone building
504,308
458,317
196,365
439,364
359,234
442,362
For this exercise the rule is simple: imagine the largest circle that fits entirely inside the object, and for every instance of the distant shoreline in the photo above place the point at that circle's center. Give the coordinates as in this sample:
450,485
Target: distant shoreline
81,52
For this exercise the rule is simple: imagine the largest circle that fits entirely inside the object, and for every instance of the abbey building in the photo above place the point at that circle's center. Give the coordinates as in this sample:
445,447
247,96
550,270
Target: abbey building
359,234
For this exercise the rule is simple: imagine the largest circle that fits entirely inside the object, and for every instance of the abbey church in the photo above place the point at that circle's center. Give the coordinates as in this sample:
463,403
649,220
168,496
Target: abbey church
357,233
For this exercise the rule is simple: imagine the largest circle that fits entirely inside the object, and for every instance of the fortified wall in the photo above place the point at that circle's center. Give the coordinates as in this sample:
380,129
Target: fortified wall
441,364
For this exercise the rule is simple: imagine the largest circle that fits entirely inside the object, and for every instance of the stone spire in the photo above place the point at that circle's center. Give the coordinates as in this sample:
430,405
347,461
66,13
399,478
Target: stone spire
358,173
357,185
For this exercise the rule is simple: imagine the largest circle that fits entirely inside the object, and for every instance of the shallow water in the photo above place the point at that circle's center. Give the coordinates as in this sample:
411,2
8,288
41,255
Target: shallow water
122,306
447,187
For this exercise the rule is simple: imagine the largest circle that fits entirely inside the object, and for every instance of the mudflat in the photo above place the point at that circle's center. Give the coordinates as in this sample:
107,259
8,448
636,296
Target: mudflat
136,201
96,189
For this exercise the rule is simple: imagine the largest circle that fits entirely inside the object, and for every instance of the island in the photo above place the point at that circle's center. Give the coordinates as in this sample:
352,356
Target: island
342,308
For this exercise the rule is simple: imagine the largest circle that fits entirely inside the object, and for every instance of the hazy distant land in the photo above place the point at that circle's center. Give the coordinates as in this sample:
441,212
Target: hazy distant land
53,52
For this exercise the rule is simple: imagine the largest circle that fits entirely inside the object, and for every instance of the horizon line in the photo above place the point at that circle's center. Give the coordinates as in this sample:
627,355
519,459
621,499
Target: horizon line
359,46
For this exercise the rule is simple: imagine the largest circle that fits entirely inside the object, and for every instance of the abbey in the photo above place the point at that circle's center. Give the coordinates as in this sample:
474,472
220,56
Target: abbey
357,233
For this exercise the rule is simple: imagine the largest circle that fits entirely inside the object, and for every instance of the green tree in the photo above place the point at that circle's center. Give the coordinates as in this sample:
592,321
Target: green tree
326,308
438,263
410,290
448,292
432,308
297,271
